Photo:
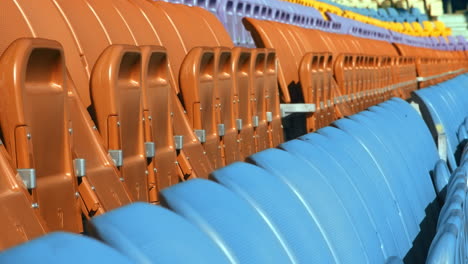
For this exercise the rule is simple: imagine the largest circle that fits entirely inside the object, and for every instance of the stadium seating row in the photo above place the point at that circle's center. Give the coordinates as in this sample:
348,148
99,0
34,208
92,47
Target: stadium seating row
106,106
326,16
357,192
449,243
443,108
388,74
120,112
446,113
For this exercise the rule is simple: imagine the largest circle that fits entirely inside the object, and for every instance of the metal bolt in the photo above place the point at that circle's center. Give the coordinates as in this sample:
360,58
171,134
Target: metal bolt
118,123
70,131
146,172
94,127
177,163
204,152
172,113
143,119
77,194
28,136
122,179
93,188
150,117
35,205
155,170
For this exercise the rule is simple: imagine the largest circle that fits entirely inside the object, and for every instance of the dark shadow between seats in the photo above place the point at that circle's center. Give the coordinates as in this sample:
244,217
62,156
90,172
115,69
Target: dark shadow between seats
422,242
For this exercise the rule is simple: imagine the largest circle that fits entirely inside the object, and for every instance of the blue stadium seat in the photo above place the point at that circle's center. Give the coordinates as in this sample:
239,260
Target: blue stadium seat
353,193
151,234
377,184
408,146
444,247
449,245
416,139
383,15
417,158
394,15
394,175
330,201
455,201
414,129
59,248
243,234
410,181
365,185
444,105
276,201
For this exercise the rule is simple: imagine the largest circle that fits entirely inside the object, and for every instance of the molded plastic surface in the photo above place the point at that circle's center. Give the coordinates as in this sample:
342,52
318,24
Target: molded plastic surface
133,231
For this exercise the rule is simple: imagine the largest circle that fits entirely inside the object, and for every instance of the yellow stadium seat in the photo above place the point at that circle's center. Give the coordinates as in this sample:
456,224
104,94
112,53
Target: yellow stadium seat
418,29
408,29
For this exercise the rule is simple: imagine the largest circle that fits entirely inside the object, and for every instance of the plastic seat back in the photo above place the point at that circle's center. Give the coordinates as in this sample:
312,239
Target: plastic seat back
317,87
365,185
419,172
167,35
376,148
227,105
102,188
438,110
27,22
258,95
143,32
276,201
214,25
346,78
273,114
157,92
197,82
118,30
354,199
132,231
178,15
114,194
241,70
444,247
108,27
266,36
35,127
253,243
315,191
166,21
59,247
385,195
116,93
